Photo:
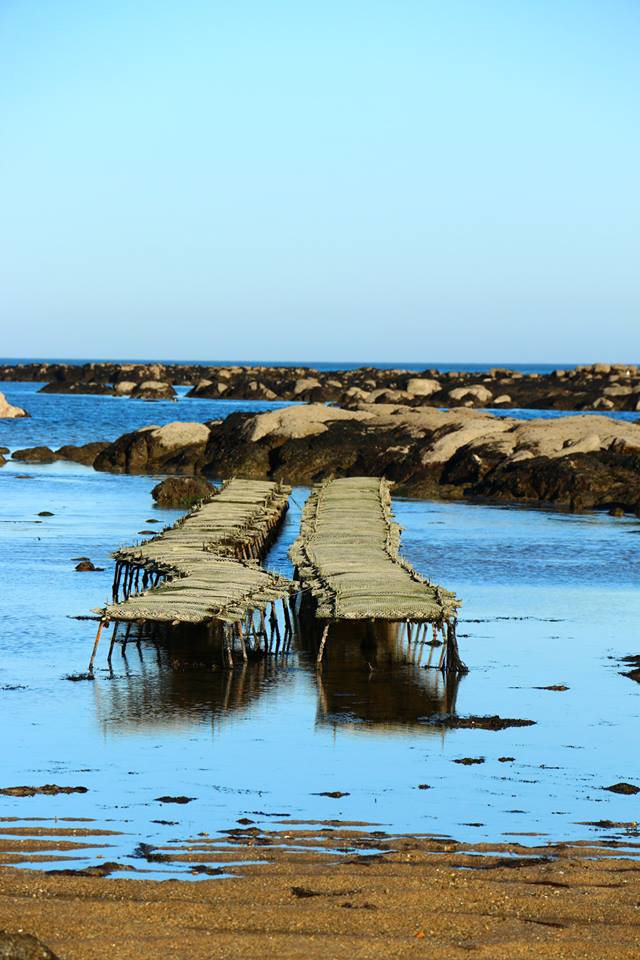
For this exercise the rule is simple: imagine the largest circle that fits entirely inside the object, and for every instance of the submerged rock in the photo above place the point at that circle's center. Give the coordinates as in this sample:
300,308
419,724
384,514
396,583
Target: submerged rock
626,789
48,789
34,455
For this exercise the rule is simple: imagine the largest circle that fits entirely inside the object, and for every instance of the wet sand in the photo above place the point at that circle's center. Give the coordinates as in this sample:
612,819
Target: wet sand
383,896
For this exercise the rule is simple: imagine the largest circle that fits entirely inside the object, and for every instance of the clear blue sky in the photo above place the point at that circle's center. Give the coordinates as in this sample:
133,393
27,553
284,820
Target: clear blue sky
320,179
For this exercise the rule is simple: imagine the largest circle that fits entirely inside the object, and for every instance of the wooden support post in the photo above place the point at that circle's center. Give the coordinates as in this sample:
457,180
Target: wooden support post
243,645
323,641
116,624
287,618
274,622
227,646
453,663
103,623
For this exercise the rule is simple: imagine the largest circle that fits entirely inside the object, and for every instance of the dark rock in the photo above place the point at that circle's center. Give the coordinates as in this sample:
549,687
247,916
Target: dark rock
23,946
506,759
181,491
627,789
558,687
169,799
477,723
85,566
34,455
173,448
334,794
86,453
48,789
46,513
469,761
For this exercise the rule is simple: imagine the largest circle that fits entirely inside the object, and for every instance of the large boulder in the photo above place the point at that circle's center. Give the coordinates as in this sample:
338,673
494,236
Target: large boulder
473,392
9,412
174,448
421,387
153,390
34,455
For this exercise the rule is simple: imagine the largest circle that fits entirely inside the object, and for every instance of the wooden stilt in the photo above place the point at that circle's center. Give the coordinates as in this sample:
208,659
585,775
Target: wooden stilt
113,640
101,625
323,641
243,645
453,663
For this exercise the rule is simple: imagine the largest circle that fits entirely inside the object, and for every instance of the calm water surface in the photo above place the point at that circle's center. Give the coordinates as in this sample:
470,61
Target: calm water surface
548,599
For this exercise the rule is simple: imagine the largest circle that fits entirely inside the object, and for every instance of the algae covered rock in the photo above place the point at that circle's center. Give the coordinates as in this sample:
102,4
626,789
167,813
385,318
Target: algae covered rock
181,491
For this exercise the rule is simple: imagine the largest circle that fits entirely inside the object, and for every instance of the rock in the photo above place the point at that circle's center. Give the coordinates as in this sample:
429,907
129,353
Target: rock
305,386
85,566
618,391
86,453
503,398
153,390
603,403
477,391
169,799
423,387
579,462
181,491
174,448
47,790
124,388
626,789
46,513
34,455
9,412
23,946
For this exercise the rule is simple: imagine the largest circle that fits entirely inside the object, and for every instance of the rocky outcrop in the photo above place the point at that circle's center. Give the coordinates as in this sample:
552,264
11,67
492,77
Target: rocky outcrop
9,412
574,462
181,492
598,386
174,448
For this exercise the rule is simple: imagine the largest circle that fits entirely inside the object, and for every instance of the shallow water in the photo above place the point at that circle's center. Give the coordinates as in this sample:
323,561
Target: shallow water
548,599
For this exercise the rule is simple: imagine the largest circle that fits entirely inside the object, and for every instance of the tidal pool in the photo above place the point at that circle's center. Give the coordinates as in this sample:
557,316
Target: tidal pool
549,599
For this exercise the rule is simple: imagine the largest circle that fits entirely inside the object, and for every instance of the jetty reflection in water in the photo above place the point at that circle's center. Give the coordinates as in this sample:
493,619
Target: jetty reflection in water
373,678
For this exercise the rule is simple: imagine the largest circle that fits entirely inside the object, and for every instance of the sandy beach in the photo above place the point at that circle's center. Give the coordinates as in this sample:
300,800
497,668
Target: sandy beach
398,897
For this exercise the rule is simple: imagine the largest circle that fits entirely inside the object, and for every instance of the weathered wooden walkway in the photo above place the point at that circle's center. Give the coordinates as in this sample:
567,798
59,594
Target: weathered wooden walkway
204,569
347,557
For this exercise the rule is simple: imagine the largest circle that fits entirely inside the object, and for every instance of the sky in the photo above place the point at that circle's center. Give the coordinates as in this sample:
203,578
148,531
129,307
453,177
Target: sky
357,180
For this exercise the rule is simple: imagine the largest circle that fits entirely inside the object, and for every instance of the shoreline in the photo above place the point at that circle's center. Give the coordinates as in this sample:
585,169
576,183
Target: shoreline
386,896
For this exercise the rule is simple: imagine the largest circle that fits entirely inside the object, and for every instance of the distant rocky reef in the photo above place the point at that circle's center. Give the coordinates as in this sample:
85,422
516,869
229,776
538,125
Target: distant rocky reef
600,386
575,463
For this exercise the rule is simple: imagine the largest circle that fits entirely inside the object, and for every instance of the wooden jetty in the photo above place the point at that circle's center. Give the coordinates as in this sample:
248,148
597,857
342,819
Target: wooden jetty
348,561
204,570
